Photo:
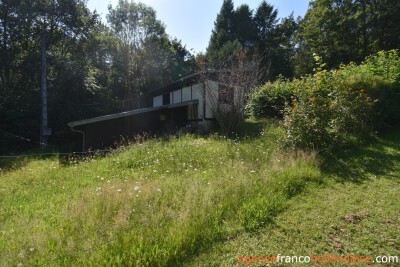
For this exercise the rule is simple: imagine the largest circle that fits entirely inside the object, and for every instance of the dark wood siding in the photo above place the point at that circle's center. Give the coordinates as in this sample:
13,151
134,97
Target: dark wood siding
107,133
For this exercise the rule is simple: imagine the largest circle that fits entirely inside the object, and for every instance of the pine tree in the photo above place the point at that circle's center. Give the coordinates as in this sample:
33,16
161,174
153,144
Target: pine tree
222,42
266,21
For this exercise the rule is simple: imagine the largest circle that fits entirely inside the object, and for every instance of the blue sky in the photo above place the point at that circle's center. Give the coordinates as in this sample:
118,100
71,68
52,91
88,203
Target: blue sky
191,21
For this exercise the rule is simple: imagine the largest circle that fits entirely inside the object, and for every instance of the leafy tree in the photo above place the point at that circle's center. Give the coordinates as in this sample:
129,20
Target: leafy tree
145,57
342,31
67,25
134,24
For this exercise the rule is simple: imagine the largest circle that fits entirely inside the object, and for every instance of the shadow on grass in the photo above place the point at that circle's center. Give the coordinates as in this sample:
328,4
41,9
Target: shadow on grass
255,128
12,163
359,162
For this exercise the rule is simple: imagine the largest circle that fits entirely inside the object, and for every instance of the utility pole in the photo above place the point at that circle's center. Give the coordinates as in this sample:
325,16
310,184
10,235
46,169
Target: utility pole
44,130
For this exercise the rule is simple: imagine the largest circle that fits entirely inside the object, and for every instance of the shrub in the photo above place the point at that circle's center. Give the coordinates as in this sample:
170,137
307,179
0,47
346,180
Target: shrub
326,113
333,107
268,101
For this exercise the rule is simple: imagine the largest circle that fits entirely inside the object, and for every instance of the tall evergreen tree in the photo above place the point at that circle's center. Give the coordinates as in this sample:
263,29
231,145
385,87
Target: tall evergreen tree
283,63
223,42
244,27
267,42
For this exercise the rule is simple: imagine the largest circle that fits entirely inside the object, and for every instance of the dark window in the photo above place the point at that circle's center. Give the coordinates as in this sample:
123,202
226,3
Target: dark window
166,99
226,94
192,112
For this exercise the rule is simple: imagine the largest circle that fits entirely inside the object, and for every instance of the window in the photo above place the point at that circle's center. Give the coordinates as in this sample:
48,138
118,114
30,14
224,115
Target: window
192,112
166,99
226,94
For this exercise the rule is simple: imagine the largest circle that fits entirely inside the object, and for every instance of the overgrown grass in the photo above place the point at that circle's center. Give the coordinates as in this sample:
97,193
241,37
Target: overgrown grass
202,202
353,211
156,203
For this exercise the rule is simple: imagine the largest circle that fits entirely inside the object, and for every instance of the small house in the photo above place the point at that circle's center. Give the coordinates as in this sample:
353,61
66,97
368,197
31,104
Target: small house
184,103
187,103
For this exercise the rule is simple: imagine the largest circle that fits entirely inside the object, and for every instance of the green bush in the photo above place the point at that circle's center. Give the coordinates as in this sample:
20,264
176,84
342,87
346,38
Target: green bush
334,107
269,100
326,113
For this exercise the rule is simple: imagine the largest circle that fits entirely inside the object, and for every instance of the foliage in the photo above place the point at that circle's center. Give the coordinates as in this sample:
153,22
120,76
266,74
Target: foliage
331,107
258,34
327,114
92,69
386,64
268,100
342,31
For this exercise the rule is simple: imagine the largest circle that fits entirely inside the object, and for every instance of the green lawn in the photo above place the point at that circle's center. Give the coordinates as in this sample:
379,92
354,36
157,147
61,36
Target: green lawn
201,202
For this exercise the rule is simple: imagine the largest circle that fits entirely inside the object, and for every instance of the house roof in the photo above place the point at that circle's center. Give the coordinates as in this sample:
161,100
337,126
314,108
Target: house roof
186,81
130,113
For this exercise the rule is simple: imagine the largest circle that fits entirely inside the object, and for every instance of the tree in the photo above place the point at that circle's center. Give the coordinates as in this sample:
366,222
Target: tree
284,60
67,25
266,21
342,31
236,78
145,58
134,24
244,27
223,34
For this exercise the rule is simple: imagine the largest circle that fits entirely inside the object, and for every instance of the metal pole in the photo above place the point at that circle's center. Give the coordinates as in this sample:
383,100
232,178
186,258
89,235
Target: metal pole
44,131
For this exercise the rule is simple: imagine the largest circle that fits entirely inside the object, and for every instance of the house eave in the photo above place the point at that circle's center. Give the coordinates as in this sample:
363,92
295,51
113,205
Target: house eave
129,113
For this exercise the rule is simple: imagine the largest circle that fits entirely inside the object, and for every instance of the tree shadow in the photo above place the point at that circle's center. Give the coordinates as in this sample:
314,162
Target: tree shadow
255,128
358,163
13,163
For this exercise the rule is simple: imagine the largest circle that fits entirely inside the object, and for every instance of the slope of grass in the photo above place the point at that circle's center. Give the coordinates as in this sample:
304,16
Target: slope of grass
155,203
354,211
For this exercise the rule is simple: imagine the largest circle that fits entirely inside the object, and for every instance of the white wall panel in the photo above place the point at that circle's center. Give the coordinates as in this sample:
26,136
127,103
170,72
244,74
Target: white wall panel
157,101
177,96
186,94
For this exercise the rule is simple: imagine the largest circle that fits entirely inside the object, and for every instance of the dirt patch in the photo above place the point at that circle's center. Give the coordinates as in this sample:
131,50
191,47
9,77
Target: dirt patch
356,217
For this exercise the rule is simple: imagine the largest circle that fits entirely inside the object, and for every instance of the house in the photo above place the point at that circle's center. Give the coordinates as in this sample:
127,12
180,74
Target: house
188,102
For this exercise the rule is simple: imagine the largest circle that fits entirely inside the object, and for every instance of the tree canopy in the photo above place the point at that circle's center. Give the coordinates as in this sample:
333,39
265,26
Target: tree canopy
259,33
341,31
92,68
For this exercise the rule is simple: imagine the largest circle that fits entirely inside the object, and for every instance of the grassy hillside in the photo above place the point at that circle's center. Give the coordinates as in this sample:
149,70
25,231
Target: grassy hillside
355,210
194,200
